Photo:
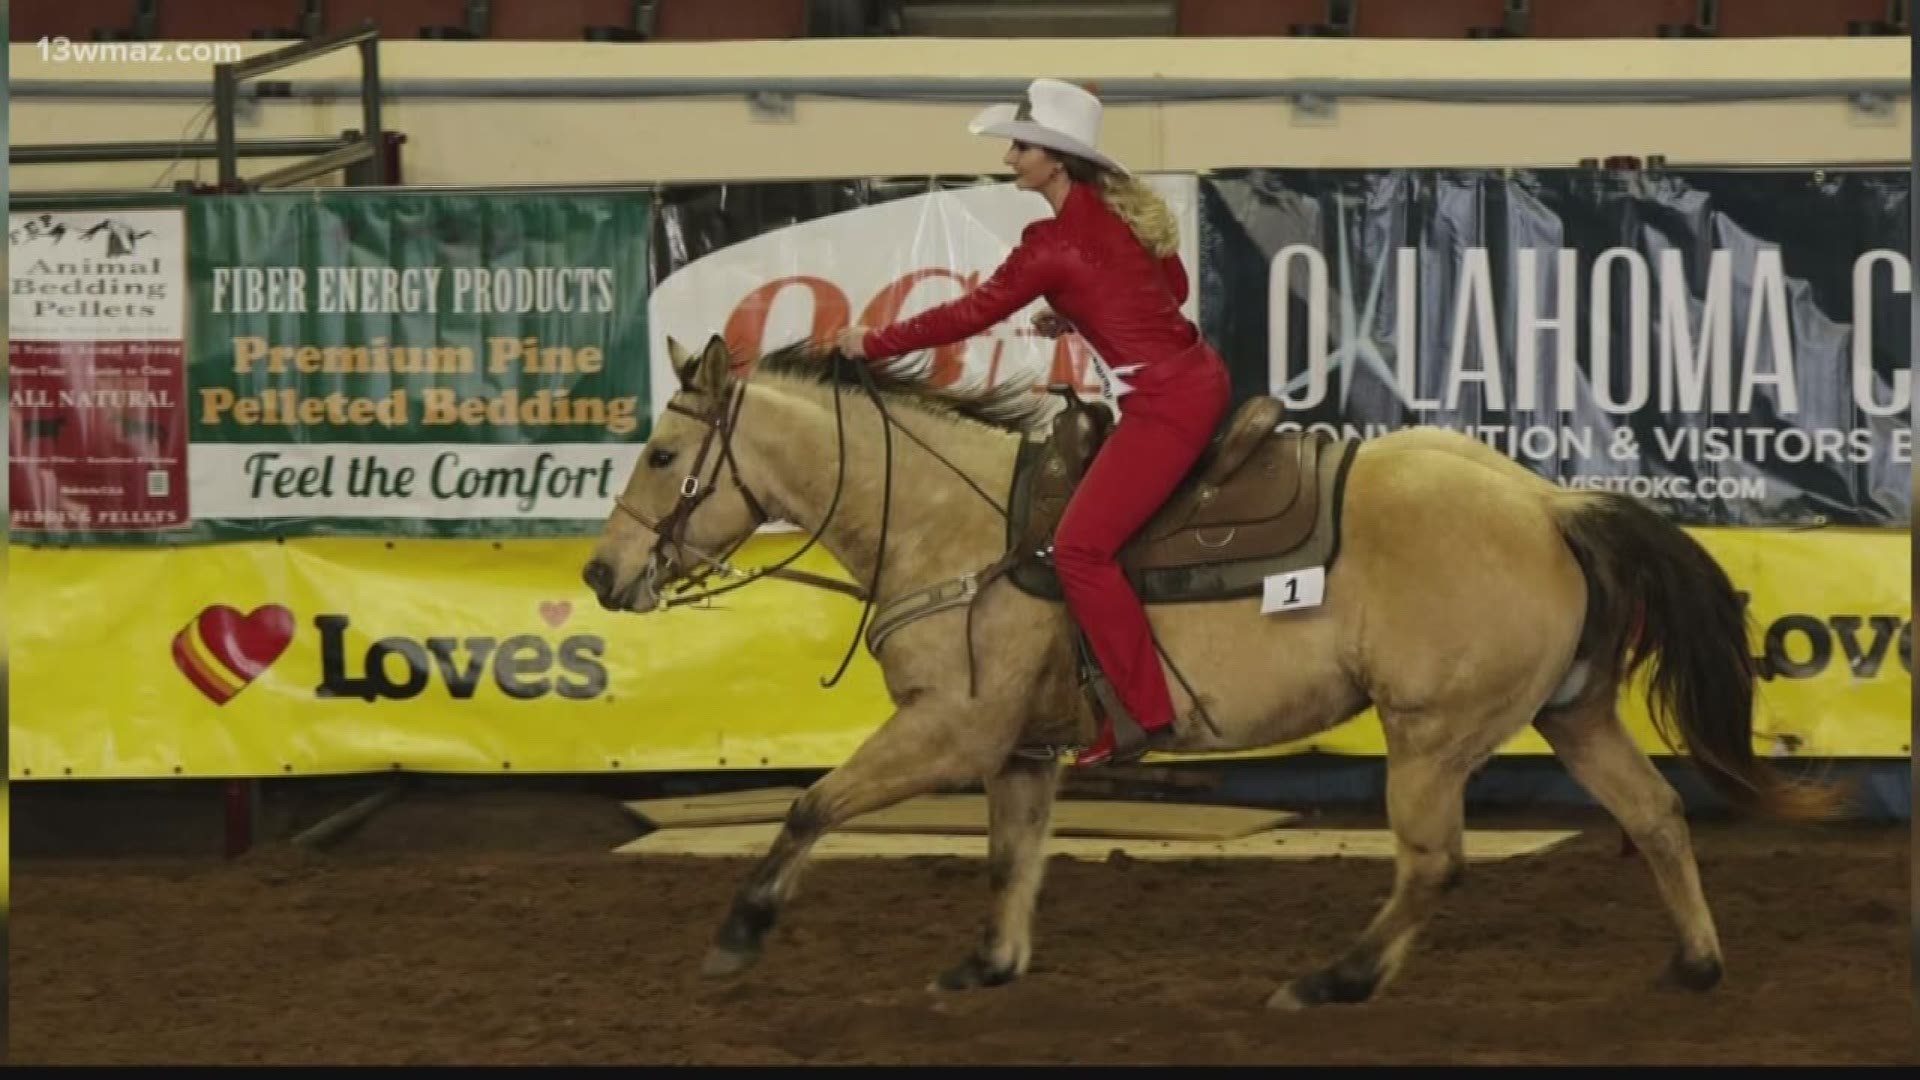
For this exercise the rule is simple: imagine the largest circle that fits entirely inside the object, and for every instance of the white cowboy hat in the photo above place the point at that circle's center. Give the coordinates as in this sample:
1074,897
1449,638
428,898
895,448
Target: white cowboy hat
1057,115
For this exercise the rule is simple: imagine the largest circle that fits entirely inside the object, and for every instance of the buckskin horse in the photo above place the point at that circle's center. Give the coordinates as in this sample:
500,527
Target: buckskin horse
1464,598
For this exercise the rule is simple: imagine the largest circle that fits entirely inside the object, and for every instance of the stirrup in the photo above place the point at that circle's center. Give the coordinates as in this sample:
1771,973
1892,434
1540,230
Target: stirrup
1122,741
1100,753
1110,749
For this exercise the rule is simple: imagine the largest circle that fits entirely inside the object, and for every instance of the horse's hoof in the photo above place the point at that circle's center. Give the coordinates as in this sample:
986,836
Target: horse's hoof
1284,1000
1699,975
1338,985
973,973
721,963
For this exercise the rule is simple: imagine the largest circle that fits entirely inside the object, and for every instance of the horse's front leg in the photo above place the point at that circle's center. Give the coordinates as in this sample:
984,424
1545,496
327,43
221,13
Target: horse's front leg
1019,813
931,743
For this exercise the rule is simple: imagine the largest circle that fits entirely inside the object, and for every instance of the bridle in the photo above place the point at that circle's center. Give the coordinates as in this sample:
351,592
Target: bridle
671,529
721,423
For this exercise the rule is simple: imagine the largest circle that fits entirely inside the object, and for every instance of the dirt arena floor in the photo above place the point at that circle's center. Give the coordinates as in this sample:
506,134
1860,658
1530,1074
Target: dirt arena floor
499,929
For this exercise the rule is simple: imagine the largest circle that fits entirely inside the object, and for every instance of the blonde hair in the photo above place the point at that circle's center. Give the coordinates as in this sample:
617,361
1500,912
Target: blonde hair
1129,197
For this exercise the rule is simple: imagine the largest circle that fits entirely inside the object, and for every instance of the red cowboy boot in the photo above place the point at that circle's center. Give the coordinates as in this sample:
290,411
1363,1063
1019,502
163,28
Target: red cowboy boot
1121,743
1113,749
1101,751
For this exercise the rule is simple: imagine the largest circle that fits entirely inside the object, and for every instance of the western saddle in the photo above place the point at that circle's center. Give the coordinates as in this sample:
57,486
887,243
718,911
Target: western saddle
1257,503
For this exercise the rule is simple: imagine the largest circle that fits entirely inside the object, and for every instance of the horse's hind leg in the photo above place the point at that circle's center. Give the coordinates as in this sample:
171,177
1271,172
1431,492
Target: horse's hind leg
1019,811
1429,759
1600,754
921,748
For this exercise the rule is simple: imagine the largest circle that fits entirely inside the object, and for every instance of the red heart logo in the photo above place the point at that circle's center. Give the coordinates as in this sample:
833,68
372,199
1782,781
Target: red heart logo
222,651
556,611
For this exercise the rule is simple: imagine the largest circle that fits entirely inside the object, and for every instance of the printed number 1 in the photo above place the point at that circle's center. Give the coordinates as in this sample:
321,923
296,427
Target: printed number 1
1293,590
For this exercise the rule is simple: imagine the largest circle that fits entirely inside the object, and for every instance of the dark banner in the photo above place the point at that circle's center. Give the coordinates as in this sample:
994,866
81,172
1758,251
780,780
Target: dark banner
1732,346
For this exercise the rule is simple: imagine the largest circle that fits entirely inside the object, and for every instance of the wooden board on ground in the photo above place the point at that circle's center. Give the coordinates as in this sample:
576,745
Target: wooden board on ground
967,815
752,841
724,808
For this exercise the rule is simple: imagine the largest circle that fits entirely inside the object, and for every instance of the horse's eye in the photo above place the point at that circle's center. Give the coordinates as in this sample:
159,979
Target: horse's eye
660,459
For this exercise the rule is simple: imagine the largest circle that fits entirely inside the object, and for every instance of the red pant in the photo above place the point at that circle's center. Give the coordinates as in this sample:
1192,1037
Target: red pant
1165,425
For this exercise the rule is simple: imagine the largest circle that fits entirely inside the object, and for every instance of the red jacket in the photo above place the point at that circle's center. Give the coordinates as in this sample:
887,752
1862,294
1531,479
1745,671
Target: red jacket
1091,269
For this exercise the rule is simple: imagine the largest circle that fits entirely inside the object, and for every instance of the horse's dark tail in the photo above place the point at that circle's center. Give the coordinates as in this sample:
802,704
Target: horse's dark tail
1656,593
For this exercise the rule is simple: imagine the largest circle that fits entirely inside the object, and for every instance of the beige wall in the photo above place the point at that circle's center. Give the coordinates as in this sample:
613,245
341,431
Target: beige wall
494,141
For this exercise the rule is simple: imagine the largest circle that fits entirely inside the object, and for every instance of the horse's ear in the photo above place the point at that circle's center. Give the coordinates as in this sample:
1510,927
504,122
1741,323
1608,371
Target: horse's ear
715,366
682,361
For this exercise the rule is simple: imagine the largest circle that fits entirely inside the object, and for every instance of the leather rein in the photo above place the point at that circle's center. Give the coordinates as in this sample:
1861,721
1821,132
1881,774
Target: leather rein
721,424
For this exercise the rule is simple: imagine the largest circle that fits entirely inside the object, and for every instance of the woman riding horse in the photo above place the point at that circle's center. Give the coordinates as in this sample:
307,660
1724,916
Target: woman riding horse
1108,263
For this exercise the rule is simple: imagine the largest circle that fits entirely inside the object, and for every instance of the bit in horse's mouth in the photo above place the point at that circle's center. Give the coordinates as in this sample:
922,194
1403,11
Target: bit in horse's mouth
643,587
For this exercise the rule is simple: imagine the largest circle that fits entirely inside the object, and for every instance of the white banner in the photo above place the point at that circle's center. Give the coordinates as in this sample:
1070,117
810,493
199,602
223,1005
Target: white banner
576,481
97,275
881,263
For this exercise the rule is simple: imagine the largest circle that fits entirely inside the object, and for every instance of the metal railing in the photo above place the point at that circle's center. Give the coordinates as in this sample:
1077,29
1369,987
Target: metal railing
363,153
227,79
90,153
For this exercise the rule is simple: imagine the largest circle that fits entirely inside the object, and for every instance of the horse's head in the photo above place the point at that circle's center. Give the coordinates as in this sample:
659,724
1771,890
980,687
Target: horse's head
684,508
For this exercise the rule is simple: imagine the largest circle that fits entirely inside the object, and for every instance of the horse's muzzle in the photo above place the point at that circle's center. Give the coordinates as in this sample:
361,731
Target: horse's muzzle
599,577
640,596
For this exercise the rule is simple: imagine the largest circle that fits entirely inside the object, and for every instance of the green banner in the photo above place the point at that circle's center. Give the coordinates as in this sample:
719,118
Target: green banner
443,364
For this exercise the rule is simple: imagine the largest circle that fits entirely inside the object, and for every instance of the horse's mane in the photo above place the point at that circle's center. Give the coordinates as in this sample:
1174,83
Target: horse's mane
1011,404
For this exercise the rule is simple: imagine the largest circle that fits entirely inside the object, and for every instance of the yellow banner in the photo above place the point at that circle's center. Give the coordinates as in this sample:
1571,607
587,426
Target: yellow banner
352,655
347,655
1833,618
